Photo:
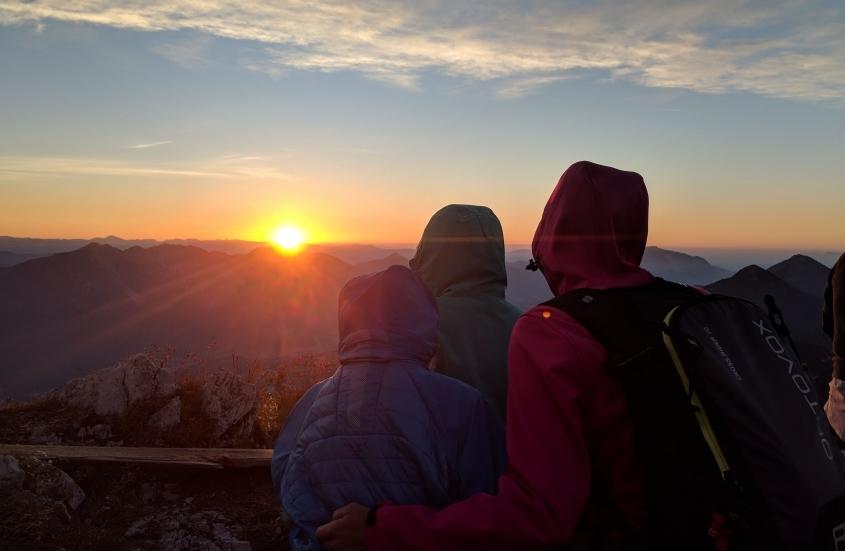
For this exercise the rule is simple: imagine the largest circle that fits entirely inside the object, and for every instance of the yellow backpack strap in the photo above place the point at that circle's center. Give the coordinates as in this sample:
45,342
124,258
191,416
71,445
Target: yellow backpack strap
700,413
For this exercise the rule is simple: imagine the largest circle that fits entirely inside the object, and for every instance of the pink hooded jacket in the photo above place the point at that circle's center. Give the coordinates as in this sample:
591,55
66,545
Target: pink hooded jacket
567,426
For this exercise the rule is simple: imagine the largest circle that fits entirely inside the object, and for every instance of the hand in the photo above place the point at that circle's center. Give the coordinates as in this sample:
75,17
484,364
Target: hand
347,531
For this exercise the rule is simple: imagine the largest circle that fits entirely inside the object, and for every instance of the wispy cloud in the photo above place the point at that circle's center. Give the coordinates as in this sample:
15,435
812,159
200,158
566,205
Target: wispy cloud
520,86
786,48
149,145
189,53
19,168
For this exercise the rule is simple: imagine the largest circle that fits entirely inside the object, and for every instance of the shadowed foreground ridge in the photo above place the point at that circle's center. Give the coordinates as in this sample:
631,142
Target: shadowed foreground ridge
142,497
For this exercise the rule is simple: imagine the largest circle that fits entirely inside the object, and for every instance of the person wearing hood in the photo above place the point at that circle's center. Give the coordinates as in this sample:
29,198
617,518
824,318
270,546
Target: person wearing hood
461,257
568,431
384,428
834,326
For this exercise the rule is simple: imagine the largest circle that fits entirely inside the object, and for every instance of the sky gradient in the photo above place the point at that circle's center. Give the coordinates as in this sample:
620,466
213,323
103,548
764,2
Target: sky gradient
357,122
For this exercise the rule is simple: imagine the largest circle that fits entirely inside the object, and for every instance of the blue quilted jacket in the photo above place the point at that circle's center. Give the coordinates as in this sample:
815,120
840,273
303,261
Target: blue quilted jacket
384,428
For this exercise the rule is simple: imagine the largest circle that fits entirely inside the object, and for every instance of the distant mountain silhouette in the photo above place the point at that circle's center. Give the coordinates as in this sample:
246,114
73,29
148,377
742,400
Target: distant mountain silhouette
517,255
228,246
804,273
736,259
358,254
120,243
39,247
801,311
526,289
380,264
19,249
69,313
681,267
27,247
10,259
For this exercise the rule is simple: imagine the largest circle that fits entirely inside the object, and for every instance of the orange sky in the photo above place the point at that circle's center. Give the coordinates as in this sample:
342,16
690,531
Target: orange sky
346,213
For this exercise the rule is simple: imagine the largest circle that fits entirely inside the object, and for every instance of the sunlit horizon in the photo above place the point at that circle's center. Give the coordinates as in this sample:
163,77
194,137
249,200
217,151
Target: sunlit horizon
308,245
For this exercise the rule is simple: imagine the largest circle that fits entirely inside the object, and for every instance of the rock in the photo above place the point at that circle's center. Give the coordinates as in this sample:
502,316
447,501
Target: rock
60,510
221,532
11,474
99,432
43,435
229,402
169,416
110,391
50,481
148,493
177,529
138,528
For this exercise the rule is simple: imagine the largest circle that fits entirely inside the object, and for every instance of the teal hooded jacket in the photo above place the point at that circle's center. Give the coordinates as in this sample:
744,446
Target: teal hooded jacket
461,257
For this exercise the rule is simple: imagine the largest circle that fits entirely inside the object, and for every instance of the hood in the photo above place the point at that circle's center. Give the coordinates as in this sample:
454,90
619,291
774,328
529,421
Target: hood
386,316
594,229
462,253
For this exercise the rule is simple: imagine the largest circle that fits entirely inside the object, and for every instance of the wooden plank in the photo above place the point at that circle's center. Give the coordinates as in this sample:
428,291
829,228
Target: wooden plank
208,458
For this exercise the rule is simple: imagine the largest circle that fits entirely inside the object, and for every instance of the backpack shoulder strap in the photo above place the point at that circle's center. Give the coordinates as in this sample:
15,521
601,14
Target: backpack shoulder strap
626,321
607,315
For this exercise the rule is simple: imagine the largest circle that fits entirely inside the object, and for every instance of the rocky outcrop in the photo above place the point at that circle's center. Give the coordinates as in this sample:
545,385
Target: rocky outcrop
11,474
144,402
140,403
99,432
179,528
36,491
51,482
231,403
111,391
167,417
135,508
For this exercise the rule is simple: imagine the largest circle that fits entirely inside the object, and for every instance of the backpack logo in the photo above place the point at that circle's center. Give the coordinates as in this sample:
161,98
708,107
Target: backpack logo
803,386
725,357
839,537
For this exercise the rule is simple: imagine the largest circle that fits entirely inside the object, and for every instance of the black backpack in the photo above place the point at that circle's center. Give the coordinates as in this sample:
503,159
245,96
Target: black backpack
735,448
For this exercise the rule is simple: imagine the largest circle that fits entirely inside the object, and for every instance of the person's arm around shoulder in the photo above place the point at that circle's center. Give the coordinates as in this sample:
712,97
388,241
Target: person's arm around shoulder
545,487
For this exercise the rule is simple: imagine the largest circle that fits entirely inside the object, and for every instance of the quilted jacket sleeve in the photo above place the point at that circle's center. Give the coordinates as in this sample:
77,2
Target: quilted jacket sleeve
289,434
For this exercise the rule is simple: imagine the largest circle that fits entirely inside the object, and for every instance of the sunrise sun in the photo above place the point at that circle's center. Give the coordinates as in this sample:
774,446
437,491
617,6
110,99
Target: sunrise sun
289,239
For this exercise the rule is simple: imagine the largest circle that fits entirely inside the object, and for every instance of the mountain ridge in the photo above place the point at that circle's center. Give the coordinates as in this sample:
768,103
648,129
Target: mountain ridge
65,314
803,272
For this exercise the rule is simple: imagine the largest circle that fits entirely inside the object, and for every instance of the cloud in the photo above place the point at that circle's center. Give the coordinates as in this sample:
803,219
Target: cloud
521,86
189,53
786,48
149,145
20,168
